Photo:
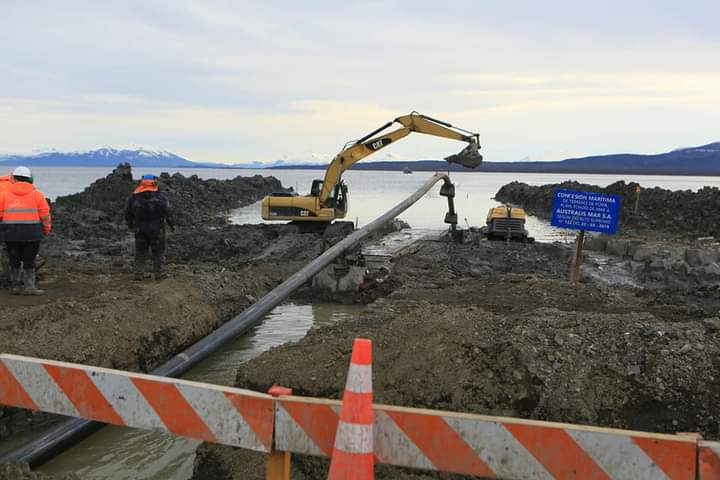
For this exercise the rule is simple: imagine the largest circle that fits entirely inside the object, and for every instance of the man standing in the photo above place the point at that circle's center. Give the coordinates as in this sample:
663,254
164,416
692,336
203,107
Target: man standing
25,220
146,213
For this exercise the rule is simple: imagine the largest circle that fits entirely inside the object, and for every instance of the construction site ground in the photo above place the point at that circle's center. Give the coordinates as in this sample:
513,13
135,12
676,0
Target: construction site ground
95,313
481,327
496,329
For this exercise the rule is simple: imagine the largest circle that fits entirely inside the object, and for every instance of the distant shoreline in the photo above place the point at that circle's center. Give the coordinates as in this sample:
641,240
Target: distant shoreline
695,161
401,167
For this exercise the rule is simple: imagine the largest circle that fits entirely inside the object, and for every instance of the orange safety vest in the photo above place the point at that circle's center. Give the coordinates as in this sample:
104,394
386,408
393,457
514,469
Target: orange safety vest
24,213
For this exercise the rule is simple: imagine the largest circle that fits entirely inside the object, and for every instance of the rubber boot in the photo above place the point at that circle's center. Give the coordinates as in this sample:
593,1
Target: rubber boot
39,262
139,266
15,287
157,268
139,270
5,264
29,279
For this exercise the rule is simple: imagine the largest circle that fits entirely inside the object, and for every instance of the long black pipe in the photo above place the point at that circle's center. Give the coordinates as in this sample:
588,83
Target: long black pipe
66,434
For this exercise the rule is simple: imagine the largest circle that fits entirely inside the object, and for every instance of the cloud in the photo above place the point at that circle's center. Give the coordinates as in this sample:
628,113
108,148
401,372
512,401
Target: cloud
245,81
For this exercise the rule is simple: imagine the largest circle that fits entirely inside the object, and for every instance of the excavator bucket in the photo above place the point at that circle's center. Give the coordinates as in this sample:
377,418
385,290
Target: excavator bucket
469,157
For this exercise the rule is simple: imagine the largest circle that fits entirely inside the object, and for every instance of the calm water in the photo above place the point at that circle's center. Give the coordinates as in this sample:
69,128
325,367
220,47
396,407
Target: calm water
121,453
372,193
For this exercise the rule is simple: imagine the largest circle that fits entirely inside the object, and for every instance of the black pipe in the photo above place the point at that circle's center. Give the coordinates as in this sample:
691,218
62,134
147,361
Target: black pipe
66,434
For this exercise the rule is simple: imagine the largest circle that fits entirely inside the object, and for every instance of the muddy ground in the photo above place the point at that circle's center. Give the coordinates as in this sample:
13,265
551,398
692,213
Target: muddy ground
496,329
95,313
480,327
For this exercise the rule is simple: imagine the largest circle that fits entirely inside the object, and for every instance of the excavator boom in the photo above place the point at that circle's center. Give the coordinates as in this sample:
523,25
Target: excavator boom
328,198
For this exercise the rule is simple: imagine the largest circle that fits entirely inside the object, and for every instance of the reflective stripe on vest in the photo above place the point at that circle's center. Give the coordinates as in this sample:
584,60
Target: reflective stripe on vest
20,210
21,215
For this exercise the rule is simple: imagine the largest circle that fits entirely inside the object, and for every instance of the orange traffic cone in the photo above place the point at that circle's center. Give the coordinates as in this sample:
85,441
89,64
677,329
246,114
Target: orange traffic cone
352,457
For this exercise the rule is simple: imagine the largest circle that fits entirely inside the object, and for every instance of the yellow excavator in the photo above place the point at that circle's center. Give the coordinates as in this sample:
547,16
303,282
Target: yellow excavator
328,198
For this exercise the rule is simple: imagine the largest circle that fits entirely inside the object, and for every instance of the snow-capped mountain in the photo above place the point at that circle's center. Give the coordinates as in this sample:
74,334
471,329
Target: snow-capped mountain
102,157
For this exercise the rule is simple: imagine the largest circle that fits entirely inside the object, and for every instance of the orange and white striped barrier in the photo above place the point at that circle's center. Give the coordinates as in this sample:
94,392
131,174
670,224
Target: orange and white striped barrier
708,460
491,446
230,416
352,456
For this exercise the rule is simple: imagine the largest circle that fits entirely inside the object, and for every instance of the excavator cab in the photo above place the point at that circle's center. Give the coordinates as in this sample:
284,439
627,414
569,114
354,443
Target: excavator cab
316,187
340,199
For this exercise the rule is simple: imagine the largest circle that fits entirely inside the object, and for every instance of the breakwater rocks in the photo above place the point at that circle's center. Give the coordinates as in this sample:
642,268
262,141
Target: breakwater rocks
676,265
661,212
97,211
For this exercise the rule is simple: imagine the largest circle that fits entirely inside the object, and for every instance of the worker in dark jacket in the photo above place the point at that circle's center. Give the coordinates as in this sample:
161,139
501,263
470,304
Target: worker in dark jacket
146,213
25,220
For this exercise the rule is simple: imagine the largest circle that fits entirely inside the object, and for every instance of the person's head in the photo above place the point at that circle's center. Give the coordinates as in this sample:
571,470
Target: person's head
149,179
148,183
22,174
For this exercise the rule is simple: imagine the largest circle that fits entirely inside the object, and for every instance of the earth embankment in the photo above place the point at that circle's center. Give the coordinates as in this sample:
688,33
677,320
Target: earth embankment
496,329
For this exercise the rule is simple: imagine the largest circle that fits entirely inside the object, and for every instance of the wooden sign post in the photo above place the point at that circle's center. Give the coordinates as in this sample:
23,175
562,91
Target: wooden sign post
579,242
637,199
584,211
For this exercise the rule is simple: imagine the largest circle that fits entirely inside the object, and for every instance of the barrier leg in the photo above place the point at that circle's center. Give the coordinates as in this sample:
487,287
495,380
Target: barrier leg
278,466
278,463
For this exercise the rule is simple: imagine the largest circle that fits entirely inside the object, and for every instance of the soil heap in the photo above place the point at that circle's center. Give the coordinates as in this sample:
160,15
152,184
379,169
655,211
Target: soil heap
496,329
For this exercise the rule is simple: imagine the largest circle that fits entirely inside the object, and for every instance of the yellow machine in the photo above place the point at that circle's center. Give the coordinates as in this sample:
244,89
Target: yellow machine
328,198
506,223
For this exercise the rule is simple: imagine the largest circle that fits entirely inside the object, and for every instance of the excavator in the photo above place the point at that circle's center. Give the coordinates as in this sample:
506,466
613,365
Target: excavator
328,198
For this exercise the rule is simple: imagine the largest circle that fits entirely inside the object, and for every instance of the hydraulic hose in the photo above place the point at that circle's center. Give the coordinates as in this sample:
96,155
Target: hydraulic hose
64,435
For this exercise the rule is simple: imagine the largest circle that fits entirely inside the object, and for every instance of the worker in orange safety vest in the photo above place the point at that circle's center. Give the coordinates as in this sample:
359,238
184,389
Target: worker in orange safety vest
25,220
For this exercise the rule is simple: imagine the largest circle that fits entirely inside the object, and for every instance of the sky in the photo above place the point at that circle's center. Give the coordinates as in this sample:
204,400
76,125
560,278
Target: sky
241,81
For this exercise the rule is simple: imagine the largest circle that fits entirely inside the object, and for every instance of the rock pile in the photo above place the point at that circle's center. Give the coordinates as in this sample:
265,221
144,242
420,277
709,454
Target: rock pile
98,210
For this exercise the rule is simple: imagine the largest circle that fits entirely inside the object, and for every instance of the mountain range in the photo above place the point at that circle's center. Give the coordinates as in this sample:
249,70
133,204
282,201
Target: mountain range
702,160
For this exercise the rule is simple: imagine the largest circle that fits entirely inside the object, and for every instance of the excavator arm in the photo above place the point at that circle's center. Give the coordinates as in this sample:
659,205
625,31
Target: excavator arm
376,140
327,200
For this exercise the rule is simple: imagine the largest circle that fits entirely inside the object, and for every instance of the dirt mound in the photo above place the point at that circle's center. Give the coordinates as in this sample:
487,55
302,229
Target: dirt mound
98,210
495,329
682,213
621,370
626,370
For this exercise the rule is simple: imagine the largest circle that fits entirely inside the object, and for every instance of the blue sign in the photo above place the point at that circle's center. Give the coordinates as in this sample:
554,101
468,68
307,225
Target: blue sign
596,212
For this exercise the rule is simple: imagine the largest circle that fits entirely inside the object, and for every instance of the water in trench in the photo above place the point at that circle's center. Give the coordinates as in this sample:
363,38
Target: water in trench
123,453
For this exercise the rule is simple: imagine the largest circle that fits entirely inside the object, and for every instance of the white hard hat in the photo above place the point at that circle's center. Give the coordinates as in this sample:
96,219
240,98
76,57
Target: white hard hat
22,172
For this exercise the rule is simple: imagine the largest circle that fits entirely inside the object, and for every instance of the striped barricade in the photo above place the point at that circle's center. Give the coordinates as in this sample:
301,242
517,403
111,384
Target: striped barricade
491,446
708,460
206,412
